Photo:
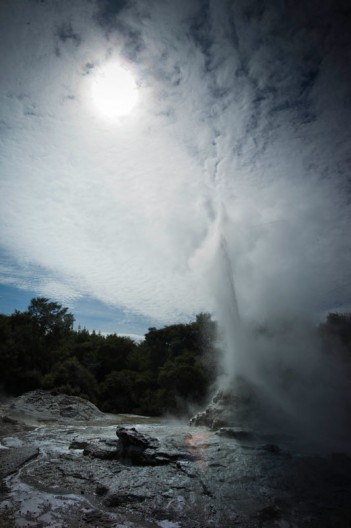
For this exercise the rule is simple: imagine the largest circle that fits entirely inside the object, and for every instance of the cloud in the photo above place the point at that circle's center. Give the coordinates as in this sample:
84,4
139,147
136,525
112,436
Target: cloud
66,35
108,10
244,109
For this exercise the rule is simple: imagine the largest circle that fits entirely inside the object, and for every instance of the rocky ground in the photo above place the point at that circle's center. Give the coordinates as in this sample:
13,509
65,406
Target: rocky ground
122,471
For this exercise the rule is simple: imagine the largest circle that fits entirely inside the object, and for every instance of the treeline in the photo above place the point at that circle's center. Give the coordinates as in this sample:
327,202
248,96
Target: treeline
169,371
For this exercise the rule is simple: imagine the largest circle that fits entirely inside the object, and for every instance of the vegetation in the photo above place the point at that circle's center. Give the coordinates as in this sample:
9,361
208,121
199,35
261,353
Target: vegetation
169,371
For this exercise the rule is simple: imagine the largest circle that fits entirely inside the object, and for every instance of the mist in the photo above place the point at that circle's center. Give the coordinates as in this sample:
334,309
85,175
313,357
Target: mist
273,354
294,383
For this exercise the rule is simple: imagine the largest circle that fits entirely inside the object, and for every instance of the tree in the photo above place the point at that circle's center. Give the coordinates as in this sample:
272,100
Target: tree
71,377
118,391
51,319
112,354
21,354
174,365
183,382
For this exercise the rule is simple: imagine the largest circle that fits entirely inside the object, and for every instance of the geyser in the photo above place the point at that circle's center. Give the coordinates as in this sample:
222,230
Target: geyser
274,374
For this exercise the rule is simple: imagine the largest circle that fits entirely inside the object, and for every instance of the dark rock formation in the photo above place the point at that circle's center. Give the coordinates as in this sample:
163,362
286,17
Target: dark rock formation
99,449
132,447
101,490
115,499
78,444
131,438
136,447
227,409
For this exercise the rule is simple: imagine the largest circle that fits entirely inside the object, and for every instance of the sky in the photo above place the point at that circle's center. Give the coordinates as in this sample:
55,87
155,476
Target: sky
239,138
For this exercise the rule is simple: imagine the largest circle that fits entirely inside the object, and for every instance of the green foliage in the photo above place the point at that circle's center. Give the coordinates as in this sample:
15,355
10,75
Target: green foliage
50,319
73,375
112,355
183,382
171,369
118,391
174,366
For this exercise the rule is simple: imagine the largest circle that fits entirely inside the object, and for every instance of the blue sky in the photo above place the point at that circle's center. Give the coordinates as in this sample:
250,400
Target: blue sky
241,133
89,313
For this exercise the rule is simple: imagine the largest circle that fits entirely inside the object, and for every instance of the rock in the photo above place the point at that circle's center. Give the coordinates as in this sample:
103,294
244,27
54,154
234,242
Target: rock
227,408
219,423
96,518
138,447
269,513
10,426
8,420
272,448
123,498
78,444
101,450
193,486
101,490
234,432
12,459
45,406
133,438
134,448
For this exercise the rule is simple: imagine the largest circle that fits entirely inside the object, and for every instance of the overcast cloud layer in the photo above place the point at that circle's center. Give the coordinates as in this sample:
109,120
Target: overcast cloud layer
242,134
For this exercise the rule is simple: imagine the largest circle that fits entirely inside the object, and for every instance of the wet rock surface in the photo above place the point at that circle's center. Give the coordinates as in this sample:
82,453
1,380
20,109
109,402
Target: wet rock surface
12,459
85,475
9,425
133,448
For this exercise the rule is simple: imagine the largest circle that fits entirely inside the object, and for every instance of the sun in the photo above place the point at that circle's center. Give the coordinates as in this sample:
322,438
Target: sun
114,91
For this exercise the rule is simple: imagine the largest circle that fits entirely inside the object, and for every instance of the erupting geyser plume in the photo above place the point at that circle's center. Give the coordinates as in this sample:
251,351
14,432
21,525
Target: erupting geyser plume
291,383
228,311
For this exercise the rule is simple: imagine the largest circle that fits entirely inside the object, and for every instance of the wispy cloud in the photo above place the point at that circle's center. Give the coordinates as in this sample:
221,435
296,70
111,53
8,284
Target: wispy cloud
243,108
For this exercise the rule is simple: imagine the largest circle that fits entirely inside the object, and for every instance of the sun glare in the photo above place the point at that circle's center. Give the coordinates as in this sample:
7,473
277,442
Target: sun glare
114,91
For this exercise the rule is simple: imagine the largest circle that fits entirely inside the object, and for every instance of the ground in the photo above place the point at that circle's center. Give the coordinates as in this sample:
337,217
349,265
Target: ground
209,479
